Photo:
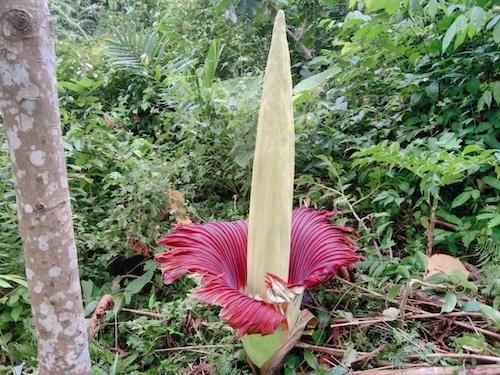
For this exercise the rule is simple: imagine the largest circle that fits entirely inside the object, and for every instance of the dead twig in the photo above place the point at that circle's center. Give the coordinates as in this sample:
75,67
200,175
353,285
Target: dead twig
340,353
195,348
306,51
380,319
144,313
446,225
426,370
478,329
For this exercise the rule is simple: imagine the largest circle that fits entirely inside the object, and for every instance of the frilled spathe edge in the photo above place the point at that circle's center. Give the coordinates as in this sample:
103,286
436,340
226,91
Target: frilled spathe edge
217,252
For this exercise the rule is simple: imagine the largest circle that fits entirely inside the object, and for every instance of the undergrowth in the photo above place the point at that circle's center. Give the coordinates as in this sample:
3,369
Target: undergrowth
397,128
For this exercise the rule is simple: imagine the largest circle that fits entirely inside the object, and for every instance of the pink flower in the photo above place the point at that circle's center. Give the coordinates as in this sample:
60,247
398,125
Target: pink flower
217,252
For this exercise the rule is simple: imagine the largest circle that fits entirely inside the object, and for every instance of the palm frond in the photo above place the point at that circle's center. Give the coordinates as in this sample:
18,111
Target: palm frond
133,50
77,17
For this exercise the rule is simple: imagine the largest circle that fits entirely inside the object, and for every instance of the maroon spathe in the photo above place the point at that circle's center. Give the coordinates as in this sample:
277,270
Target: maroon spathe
217,251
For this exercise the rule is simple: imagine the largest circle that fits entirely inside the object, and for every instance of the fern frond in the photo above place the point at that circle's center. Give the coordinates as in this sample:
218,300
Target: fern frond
487,250
132,50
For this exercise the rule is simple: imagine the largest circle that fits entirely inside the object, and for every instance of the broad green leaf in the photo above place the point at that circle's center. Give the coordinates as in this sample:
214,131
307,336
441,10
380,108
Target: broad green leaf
492,181
450,217
468,237
311,360
471,306
494,222
461,199
356,18
495,87
471,148
431,8
491,313
477,18
484,100
459,39
211,62
458,278
391,313
474,341
485,215
15,313
450,301
457,26
415,8
260,348
5,284
392,6
16,279
311,83
496,33
136,285
421,260
473,85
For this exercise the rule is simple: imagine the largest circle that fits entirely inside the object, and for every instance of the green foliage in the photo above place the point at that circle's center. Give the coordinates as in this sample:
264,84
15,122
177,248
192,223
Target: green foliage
396,109
131,50
74,18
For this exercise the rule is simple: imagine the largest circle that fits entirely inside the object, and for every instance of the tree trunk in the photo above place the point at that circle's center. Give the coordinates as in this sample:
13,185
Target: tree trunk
29,107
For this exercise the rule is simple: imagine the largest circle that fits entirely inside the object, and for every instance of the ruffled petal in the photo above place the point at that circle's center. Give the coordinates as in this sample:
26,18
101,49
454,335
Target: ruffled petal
213,249
217,252
247,315
319,248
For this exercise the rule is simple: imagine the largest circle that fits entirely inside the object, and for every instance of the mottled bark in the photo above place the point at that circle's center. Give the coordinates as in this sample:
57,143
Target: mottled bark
29,107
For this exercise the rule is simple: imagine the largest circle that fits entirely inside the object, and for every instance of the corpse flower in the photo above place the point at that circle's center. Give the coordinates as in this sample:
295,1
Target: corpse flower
217,251
257,270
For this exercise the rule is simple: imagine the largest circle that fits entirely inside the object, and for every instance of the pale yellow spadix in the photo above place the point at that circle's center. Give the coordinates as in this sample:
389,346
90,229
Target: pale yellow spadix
270,218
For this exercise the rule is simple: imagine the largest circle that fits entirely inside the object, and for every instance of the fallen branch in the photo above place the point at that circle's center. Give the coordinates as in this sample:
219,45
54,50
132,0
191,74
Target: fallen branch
478,329
380,319
143,313
195,348
473,370
363,355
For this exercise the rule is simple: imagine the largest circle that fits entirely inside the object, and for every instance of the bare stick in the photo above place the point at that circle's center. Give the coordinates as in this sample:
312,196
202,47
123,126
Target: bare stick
144,313
475,370
306,51
482,330
196,348
340,353
379,319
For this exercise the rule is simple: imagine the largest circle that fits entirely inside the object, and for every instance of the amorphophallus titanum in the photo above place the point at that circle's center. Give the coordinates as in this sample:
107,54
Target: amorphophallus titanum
257,271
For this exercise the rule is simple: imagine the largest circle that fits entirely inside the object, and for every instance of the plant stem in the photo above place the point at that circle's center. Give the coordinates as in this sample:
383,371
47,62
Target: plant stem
432,224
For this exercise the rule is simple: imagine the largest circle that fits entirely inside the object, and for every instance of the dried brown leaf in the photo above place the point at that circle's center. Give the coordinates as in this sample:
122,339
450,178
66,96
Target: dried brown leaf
443,263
